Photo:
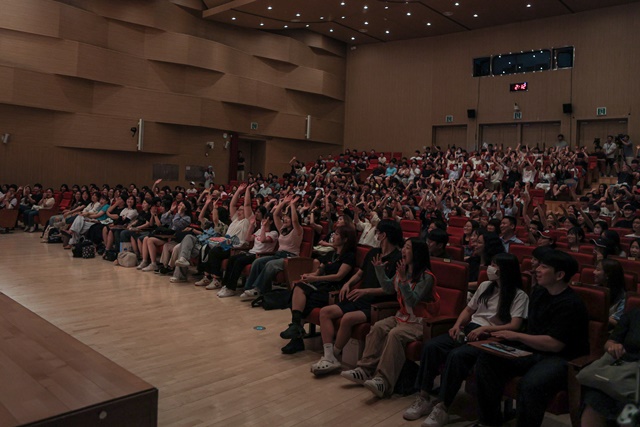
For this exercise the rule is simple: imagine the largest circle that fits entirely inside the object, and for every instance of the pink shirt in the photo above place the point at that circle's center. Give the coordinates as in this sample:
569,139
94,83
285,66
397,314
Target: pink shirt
291,242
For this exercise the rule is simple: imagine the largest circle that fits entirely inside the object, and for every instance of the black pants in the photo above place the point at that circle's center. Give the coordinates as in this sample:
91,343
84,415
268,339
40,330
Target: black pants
216,256
458,360
542,377
235,265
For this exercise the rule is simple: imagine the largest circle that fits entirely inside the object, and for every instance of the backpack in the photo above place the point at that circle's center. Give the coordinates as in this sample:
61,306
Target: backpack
278,299
111,255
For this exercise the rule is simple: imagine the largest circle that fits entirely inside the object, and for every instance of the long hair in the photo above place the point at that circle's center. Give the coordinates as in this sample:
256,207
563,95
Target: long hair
492,246
349,238
614,274
510,282
421,260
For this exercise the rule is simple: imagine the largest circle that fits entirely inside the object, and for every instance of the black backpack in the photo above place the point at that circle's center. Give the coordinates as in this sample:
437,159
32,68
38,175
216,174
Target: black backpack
278,299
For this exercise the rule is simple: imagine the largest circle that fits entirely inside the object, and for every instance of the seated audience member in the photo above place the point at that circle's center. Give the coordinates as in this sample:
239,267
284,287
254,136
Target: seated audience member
27,200
111,233
139,225
609,273
9,200
86,220
498,304
628,215
265,269
383,357
575,238
80,201
507,232
545,238
46,202
437,242
469,228
265,241
557,331
367,227
175,219
236,237
192,243
634,249
487,245
600,409
312,291
607,245
599,227
635,227
354,306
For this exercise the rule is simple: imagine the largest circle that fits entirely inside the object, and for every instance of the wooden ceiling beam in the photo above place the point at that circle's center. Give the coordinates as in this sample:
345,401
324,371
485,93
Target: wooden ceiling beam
223,6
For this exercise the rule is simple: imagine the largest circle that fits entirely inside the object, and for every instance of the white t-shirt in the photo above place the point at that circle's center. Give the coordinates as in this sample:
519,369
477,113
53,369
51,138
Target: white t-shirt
131,214
238,228
487,314
264,247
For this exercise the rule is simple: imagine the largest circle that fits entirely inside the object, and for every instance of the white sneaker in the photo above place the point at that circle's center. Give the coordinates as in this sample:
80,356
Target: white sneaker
358,375
203,282
437,418
376,386
214,284
150,267
175,279
420,408
142,265
249,294
183,262
226,292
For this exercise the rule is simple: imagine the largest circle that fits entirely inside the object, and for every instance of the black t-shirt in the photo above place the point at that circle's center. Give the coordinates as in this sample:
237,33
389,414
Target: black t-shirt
241,163
142,218
563,317
333,266
369,278
627,333
624,223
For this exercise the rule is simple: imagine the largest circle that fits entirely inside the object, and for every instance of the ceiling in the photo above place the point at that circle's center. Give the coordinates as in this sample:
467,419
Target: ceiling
370,21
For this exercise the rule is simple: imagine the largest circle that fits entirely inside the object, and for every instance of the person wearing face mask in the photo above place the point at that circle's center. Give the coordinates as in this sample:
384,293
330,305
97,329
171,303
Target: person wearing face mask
499,304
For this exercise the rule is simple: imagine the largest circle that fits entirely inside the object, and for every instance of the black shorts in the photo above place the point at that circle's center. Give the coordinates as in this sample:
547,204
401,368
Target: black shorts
359,305
317,294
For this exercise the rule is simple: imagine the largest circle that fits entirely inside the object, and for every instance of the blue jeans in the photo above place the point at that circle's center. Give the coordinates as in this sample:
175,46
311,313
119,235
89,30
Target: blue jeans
30,217
264,271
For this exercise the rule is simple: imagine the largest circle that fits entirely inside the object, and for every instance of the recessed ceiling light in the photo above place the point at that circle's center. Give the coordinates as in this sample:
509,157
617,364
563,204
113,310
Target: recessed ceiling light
342,4
307,25
387,31
353,38
262,24
456,4
233,18
297,14
528,5
366,7
366,23
475,15
331,30
322,17
286,26
342,17
386,7
269,8
408,13
428,24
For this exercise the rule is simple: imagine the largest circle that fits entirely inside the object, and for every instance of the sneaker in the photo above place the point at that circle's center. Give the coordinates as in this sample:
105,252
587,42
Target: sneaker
203,282
183,262
325,366
226,292
438,417
150,267
142,265
175,279
294,346
376,386
249,294
158,269
421,407
358,375
295,330
213,284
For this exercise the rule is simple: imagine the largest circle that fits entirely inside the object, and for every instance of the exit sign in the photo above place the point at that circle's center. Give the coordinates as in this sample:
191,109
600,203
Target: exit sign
254,125
448,119
517,115
601,111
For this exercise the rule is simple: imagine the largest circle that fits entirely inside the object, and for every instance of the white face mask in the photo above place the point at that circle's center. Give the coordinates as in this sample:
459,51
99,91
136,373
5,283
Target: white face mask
492,273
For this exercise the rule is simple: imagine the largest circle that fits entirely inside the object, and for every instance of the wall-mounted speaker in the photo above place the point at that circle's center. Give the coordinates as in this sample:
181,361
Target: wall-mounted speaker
567,108
471,114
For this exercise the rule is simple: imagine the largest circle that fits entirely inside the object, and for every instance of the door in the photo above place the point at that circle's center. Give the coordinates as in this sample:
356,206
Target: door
500,134
447,136
540,135
589,130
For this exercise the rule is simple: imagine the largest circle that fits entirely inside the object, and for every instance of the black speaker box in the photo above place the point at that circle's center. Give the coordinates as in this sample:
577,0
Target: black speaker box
567,108
471,114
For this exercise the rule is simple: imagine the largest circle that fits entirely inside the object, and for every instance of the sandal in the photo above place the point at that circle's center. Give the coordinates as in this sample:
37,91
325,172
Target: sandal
325,366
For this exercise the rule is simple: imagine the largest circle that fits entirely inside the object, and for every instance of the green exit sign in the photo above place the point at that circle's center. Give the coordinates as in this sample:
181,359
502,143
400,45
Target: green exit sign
601,111
254,125
448,119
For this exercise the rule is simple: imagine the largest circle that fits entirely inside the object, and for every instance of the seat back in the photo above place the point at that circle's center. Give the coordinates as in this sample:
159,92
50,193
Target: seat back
455,252
521,251
458,221
452,285
630,279
596,299
633,301
410,225
307,234
629,265
8,218
361,254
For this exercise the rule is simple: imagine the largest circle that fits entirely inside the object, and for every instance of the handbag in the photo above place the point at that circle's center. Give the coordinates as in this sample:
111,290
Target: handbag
88,251
77,249
614,377
127,259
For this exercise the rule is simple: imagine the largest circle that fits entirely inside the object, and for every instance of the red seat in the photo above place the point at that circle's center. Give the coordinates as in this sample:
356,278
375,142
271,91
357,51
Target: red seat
633,301
411,225
630,279
521,251
584,260
458,221
629,265
455,252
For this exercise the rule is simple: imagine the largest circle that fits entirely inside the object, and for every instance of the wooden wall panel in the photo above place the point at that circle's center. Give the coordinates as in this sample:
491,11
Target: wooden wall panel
39,53
447,136
605,62
588,130
500,134
31,16
280,151
51,91
103,65
125,37
540,134
83,26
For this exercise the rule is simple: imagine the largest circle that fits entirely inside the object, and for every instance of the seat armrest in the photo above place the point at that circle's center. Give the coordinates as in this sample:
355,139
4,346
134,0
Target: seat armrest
296,267
383,310
581,362
437,326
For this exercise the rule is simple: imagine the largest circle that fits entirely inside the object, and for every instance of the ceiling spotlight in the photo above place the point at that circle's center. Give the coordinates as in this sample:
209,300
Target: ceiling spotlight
307,25
353,38
342,17
322,17
331,30
342,4
366,23
475,15
269,8
528,5
456,4
387,32
262,24
408,13
366,7
233,18
428,24
286,26
298,15
386,7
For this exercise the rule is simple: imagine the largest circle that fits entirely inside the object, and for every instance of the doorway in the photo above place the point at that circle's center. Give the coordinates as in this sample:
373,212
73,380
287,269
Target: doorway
589,130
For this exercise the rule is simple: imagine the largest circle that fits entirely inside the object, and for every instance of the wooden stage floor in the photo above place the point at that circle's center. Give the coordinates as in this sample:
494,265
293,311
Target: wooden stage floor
202,352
